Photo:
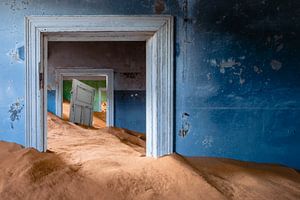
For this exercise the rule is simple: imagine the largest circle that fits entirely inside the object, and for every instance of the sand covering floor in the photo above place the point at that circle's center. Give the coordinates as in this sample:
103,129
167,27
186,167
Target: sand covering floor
95,164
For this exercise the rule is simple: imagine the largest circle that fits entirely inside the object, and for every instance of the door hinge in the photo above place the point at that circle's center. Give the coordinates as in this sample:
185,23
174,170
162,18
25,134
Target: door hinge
41,76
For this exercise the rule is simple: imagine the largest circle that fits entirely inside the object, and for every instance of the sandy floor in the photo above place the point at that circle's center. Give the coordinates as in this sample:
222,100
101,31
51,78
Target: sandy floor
95,164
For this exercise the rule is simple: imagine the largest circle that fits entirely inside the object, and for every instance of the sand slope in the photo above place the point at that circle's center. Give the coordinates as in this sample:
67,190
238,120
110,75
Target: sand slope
95,164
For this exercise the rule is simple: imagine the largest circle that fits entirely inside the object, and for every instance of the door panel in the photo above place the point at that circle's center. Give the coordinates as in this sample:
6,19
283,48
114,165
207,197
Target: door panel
82,99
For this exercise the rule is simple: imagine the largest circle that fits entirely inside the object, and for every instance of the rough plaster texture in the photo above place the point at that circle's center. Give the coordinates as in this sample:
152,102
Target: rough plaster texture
237,72
127,59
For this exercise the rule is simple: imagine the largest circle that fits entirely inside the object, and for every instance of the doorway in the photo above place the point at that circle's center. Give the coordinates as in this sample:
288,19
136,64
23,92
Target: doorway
156,31
98,106
100,79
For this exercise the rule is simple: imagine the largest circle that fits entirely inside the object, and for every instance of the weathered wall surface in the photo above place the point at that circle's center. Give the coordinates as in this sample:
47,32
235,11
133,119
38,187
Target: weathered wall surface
237,72
127,59
239,92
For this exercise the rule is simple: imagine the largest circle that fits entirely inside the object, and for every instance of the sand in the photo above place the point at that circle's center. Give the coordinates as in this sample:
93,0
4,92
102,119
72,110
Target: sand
109,164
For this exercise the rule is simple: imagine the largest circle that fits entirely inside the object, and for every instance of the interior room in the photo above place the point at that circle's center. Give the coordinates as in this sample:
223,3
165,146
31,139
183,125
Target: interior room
150,100
128,62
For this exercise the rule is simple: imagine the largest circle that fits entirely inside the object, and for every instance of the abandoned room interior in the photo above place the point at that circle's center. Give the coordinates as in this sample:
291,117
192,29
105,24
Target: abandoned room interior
150,99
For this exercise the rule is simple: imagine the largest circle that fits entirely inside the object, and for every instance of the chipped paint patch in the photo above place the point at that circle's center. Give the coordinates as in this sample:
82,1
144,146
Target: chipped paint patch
15,110
242,80
276,65
222,70
15,5
17,55
159,6
275,43
209,76
257,69
213,62
229,63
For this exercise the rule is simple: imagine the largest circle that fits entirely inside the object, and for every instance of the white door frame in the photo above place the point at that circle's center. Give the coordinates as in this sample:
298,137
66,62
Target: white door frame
60,73
158,33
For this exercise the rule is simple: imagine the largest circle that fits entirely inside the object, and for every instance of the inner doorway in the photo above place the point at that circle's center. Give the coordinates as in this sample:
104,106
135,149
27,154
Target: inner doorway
114,70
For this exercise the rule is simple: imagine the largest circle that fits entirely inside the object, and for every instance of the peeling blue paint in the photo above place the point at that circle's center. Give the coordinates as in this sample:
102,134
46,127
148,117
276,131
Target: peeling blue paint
17,54
15,110
185,126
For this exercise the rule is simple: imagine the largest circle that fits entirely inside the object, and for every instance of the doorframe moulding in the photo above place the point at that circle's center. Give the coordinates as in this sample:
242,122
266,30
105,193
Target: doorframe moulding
60,73
155,30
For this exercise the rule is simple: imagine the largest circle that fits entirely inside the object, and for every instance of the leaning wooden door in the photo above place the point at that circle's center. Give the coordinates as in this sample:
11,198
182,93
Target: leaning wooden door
81,106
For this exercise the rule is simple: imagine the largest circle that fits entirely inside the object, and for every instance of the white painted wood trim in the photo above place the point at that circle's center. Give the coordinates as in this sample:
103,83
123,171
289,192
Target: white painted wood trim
160,69
100,99
44,68
159,89
100,36
60,73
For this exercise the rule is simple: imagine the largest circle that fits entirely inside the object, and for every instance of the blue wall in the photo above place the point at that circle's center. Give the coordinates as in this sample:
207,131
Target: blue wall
237,72
239,91
130,110
51,98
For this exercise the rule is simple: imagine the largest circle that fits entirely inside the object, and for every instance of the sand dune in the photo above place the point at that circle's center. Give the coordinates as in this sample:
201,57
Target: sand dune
95,164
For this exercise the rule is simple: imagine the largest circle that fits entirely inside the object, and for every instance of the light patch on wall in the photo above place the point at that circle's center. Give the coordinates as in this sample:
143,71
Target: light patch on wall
228,63
209,76
213,62
17,55
10,89
276,65
207,141
15,110
242,80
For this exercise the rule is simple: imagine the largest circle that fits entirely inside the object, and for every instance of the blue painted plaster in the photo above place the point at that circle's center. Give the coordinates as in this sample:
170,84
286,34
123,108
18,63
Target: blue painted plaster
51,98
130,110
239,81
237,72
